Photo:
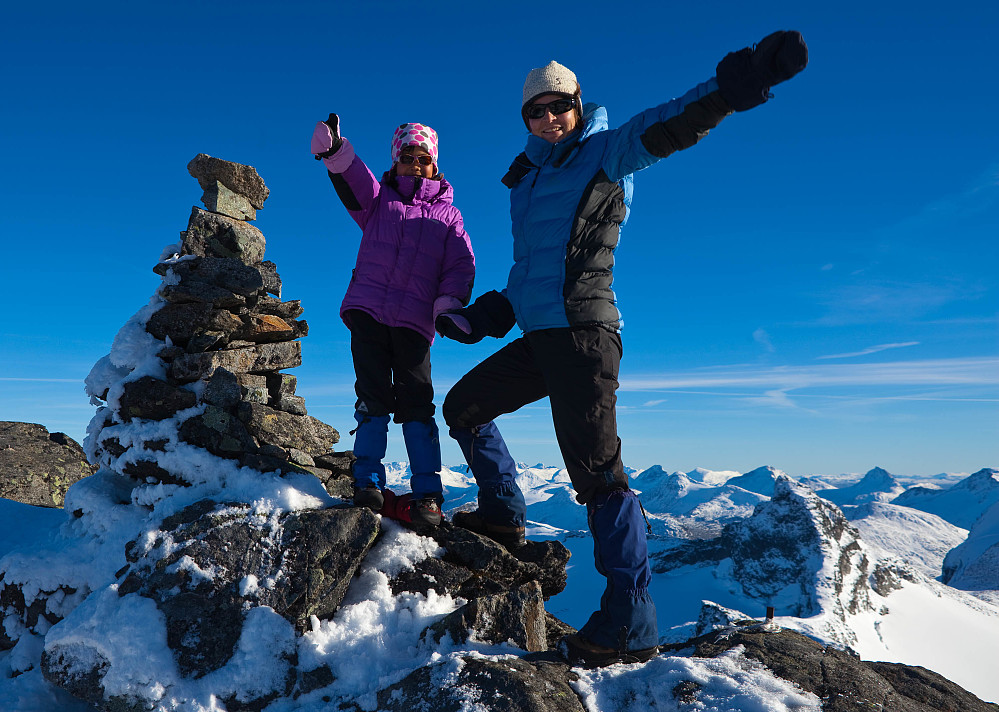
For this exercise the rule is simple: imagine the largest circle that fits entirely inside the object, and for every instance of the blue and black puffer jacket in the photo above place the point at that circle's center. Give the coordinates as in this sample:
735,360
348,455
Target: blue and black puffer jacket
569,200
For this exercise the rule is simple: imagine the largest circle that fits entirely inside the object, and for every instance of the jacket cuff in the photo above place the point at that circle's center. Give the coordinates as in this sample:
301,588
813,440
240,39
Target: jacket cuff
341,160
444,303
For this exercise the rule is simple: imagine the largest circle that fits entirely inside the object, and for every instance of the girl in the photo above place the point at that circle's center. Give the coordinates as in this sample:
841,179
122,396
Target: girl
414,262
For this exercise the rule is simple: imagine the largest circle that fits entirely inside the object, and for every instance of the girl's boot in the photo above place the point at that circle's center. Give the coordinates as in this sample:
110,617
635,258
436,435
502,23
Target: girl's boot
370,443
423,445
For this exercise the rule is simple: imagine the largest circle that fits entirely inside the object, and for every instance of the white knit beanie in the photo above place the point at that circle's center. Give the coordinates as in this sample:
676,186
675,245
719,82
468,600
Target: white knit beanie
553,78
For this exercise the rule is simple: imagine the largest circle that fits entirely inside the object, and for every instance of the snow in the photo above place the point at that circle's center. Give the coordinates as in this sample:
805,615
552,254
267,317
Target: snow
877,486
961,504
947,632
920,538
730,683
374,640
973,565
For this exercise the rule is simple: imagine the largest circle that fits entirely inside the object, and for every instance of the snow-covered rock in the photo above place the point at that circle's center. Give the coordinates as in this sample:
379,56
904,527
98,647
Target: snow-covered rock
797,553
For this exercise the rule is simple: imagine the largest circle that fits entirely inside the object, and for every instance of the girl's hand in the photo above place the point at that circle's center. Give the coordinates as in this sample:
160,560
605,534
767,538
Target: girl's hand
326,137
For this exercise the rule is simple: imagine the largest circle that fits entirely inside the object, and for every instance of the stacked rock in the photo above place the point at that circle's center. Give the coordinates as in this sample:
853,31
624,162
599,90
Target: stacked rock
227,338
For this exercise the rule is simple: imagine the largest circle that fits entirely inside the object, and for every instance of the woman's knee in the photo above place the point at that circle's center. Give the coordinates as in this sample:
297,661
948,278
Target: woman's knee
459,411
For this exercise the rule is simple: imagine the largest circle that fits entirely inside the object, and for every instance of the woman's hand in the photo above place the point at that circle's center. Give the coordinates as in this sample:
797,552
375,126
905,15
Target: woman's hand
745,77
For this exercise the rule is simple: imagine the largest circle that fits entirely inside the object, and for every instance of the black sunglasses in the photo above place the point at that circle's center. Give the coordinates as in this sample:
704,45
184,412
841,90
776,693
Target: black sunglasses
423,159
559,106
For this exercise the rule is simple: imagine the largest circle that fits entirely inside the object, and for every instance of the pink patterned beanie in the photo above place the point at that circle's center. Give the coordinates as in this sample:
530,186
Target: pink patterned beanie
414,135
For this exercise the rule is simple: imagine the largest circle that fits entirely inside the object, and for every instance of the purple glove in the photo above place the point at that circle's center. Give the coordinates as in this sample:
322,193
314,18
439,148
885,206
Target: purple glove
335,152
322,138
443,306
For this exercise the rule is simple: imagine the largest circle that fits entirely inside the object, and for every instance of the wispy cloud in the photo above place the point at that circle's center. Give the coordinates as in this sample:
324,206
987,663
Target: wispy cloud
872,350
43,380
651,403
761,337
776,398
976,372
876,301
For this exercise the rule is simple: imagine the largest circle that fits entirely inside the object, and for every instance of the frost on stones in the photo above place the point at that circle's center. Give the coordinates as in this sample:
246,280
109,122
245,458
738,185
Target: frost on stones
203,365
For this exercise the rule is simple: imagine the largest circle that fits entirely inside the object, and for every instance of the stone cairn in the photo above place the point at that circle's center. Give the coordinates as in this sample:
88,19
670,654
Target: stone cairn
205,379
228,337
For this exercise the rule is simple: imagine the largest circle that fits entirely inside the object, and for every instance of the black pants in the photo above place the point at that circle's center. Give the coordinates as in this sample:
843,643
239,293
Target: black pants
577,369
392,368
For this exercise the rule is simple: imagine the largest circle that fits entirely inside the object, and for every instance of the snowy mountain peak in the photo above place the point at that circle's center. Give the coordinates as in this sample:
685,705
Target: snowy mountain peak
878,485
985,480
800,554
711,477
767,470
761,480
661,489
974,564
797,553
879,475
656,472
962,504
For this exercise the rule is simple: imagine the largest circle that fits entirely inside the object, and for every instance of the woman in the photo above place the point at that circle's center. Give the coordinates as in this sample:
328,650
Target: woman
570,194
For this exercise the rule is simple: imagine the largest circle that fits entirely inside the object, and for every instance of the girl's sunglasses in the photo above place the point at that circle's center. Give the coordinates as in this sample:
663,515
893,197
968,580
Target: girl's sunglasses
559,106
423,159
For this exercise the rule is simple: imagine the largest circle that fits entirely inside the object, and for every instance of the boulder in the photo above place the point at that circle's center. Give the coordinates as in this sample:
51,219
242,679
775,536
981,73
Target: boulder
219,432
220,199
149,398
262,358
299,566
516,616
246,280
36,466
298,431
241,179
215,235
191,292
840,678
508,685
544,562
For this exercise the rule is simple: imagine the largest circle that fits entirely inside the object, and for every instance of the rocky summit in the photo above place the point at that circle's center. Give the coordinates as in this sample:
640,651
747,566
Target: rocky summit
214,562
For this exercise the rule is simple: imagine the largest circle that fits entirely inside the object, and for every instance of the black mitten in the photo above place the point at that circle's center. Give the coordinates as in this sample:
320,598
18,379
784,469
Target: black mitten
495,314
745,77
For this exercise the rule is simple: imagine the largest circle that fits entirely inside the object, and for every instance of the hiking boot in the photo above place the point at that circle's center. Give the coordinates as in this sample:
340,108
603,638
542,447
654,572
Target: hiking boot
425,512
370,497
581,652
510,537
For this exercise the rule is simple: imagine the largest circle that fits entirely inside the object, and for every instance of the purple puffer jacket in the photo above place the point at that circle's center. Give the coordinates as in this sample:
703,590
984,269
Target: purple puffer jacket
414,249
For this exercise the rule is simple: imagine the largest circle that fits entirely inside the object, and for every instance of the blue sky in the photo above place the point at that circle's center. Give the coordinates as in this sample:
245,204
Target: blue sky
811,287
